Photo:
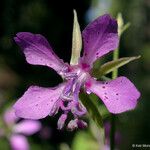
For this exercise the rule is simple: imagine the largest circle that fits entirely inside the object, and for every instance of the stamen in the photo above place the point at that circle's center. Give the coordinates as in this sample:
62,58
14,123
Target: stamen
55,108
65,97
67,92
78,109
61,121
68,76
64,70
72,125
76,91
81,124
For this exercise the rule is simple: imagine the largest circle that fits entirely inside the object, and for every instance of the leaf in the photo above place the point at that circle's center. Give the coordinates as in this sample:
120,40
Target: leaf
4,143
125,27
80,142
76,41
64,146
93,112
110,66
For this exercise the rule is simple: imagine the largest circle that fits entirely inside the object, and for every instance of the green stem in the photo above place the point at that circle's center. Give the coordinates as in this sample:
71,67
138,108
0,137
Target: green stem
113,117
115,57
121,29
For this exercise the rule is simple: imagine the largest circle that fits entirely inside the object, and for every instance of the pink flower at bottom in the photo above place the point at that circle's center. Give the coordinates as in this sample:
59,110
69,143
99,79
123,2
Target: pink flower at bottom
19,130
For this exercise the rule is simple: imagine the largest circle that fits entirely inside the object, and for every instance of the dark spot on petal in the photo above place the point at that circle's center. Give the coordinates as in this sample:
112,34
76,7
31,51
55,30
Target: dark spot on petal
98,33
106,97
105,93
97,53
51,100
117,94
103,87
106,82
36,105
85,54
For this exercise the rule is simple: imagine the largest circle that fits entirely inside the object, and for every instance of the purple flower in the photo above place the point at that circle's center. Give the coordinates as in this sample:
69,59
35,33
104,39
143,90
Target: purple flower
99,38
19,130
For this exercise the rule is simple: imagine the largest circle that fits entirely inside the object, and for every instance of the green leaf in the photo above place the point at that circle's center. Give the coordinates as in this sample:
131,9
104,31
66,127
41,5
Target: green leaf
125,27
64,146
76,41
96,134
80,142
93,112
110,66
4,143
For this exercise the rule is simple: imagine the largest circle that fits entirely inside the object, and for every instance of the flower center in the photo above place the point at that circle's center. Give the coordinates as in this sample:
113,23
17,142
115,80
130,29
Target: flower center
76,78
69,100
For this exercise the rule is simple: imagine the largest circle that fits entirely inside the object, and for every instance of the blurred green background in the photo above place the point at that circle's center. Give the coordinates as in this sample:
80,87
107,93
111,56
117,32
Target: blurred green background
54,20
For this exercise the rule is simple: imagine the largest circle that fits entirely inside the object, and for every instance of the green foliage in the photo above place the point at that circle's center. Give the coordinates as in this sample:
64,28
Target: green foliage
4,145
93,112
33,15
83,141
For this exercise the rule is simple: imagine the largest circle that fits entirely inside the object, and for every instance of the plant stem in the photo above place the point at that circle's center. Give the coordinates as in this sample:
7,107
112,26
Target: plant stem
112,132
115,57
113,117
121,28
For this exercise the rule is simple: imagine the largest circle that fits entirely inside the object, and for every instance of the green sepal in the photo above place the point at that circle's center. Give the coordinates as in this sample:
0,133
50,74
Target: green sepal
76,41
112,65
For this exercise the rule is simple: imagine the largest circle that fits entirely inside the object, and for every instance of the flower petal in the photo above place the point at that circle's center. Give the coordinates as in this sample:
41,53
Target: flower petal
99,37
118,95
27,127
19,142
9,117
37,102
38,51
